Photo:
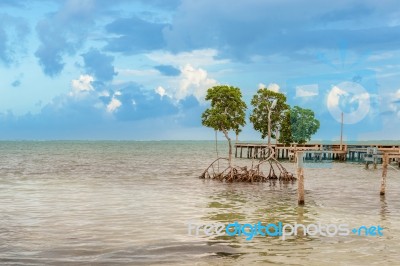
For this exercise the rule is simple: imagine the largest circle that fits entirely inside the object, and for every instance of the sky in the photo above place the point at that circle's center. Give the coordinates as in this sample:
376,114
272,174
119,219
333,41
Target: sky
139,70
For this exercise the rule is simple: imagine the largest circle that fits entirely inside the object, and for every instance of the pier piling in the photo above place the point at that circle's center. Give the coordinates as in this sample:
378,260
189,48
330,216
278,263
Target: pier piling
384,173
300,178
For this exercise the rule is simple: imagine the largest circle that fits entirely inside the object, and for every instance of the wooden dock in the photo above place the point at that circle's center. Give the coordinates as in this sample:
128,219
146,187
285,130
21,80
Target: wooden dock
351,152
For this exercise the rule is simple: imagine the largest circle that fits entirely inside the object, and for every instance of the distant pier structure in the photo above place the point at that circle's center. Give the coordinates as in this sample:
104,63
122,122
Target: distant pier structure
339,152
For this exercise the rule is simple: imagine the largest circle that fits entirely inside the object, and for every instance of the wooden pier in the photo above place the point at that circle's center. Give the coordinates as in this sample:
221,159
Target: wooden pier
350,152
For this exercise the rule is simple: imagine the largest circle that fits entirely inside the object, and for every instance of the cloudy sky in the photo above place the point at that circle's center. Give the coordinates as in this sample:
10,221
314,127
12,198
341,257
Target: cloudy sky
100,69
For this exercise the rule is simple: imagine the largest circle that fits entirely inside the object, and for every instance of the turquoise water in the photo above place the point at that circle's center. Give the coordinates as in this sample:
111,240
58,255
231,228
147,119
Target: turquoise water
130,203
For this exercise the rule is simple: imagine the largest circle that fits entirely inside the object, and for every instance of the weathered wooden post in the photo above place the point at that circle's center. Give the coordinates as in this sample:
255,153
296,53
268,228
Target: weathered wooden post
341,132
300,178
384,173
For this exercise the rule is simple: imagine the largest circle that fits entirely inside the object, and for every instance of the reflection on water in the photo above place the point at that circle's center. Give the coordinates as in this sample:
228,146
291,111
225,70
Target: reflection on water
129,203
384,208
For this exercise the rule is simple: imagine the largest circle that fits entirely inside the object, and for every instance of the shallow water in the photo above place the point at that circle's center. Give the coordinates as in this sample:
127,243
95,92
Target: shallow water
130,203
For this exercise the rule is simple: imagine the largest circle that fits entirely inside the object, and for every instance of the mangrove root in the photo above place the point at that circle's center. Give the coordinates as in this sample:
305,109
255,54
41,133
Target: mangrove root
252,174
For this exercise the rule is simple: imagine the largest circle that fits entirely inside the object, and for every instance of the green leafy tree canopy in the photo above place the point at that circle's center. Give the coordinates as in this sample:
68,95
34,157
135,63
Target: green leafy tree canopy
262,102
285,135
299,125
227,111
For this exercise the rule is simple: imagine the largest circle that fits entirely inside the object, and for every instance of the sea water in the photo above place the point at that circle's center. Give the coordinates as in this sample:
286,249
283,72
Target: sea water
130,203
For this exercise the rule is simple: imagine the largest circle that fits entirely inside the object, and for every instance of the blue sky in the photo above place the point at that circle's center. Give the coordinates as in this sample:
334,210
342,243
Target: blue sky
99,69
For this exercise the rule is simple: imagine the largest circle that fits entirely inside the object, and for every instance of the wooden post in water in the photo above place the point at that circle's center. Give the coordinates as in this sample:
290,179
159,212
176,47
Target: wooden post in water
384,173
300,178
341,133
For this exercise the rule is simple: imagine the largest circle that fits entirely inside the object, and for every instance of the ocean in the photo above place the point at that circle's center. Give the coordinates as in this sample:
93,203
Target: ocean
132,203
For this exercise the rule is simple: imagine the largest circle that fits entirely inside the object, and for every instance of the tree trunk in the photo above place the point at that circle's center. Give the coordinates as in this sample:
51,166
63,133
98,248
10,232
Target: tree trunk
230,147
216,143
269,133
216,146
269,129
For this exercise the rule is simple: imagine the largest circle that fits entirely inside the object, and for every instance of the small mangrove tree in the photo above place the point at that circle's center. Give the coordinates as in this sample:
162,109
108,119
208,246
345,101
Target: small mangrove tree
269,111
227,113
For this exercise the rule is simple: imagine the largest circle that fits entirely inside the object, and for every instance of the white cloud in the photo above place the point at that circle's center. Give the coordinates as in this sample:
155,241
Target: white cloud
261,85
113,105
83,84
380,56
397,95
160,90
392,107
395,106
388,75
104,93
193,81
307,90
136,72
273,87
196,58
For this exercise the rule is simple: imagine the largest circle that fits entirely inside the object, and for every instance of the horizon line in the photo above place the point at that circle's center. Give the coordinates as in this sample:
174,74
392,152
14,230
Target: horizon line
219,140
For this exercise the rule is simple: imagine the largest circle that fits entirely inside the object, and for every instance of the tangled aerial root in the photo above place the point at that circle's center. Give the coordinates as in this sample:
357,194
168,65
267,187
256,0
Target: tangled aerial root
253,174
